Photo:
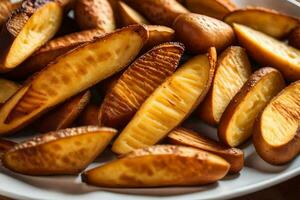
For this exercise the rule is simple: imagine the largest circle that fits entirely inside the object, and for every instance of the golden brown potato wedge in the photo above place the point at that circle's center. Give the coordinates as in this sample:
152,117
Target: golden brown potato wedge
67,151
182,136
265,20
236,124
137,83
89,116
129,16
158,35
71,74
169,104
5,145
64,115
200,32
269,51
212,8
161,165
91,14
7,89
160,12
51,50
232,71
6,7
30,27
294,38
276,131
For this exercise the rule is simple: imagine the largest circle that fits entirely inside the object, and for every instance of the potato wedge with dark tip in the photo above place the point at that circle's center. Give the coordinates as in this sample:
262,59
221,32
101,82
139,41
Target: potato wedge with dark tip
51,50
91,14
276,134
172,102
67,151
237,121
158,35
7,89
28,28
137,83
89,115
157,166
71,74
64,115
129,16
232,71
182,136
294,38
160,12
268,51
268,21
212,8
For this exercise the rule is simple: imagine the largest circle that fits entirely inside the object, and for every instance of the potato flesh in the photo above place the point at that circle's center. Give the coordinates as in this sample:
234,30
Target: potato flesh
166,107
212,8
273,24
5,10
7,89
241,123
232,72
280,119
71,74
41,26
133,16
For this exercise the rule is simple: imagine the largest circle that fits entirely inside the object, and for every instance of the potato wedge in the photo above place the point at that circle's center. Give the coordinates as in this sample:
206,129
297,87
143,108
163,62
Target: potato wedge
51,50
89,116
137,83
161,165
276,131
7,89
64,115
67,151
268,21
160,12
236,124
294,38
129,16
30,27
71,74
186,137
169,104
6,145
5,11
199,32
232,71
91,14
269,51
212,8
158,35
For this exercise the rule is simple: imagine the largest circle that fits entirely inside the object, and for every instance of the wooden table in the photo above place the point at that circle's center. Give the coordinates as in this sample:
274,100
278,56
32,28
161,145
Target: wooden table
289,190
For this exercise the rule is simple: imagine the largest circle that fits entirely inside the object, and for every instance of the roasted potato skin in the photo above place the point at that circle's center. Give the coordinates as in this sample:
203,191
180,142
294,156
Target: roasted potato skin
91,14
281,154
89,115
6,145
294,38
199,32
161,165
160,12
64,115
186,137
66,151
52,50
126,15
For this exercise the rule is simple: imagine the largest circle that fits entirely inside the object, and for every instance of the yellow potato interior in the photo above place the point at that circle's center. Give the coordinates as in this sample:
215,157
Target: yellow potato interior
281,117
135,16
7,89
166,107
241,123
270,45
41,26
233,71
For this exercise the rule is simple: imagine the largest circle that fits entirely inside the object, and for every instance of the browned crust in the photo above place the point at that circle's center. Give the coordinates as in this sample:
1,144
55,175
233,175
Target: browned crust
161,12
51,50
64,115
148,72
240,97
6,145
294,38
186,137
14,25
276,155
89,116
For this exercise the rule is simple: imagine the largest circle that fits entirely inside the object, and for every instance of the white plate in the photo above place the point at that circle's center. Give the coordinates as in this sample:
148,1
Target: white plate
256,175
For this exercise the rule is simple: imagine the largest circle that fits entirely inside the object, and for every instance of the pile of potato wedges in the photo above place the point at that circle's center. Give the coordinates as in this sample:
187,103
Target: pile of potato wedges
124,75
